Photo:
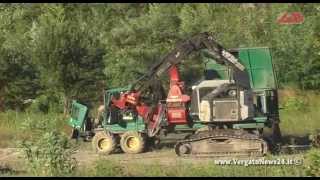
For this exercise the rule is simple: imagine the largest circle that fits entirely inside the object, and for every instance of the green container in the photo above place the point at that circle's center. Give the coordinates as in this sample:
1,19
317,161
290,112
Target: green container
258,64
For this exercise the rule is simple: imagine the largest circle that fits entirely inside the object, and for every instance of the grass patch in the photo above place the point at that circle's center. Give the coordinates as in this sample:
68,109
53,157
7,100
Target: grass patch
301,113
12,125
114,168
7,135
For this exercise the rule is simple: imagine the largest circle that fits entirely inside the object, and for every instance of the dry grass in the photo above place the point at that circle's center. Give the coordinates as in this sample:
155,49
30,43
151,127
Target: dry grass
303,119
7,135
11,125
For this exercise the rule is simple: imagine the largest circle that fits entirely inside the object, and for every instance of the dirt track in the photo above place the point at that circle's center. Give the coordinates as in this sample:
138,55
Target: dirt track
11,157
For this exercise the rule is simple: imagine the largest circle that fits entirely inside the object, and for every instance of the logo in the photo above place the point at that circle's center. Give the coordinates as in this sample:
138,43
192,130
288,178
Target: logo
291,18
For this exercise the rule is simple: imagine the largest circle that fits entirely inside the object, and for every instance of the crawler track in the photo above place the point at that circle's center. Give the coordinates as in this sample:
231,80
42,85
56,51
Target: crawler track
219,143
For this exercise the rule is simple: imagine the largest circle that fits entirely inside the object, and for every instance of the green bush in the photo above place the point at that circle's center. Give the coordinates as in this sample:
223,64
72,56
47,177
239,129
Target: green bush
49,155
48,152
46,104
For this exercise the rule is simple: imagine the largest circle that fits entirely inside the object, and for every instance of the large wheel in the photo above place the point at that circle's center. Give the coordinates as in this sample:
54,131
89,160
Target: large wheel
132,142
104,143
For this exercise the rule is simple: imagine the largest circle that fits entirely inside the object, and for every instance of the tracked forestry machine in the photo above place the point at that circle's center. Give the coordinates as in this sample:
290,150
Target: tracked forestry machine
224,113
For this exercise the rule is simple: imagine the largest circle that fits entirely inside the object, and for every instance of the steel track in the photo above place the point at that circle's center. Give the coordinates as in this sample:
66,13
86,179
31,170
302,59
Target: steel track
233,134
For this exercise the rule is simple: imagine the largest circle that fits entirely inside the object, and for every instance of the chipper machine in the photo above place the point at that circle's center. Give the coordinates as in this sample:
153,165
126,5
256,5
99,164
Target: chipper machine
224,113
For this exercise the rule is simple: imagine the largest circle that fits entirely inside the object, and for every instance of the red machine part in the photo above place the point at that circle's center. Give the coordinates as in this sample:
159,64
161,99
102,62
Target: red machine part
177,112
131,99
127,97
176,101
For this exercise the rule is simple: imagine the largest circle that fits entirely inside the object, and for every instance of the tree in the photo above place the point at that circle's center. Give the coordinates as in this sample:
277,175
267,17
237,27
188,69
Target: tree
68,55
19,78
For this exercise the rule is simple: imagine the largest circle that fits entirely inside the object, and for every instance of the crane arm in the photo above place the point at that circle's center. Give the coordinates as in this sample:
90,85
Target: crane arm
195,43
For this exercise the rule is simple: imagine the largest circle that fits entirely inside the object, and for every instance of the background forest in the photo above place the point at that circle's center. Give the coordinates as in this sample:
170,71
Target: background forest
57,52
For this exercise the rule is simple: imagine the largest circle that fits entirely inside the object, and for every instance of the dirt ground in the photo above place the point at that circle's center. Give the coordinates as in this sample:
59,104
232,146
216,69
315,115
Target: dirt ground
11,158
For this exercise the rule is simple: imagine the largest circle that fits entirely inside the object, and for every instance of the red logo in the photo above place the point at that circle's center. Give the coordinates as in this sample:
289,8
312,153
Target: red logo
290,18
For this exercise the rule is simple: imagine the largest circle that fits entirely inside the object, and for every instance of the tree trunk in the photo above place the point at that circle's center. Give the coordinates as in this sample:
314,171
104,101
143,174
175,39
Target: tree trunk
66,106
2,98
276,133
1,104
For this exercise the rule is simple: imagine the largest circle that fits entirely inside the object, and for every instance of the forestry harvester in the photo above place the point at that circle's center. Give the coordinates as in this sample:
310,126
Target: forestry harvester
225,113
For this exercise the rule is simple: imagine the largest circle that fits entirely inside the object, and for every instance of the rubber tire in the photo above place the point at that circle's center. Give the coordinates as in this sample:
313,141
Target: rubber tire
139,136
101,135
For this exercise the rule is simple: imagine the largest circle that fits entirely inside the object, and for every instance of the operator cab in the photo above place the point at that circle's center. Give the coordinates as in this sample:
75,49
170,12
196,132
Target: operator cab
221,101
